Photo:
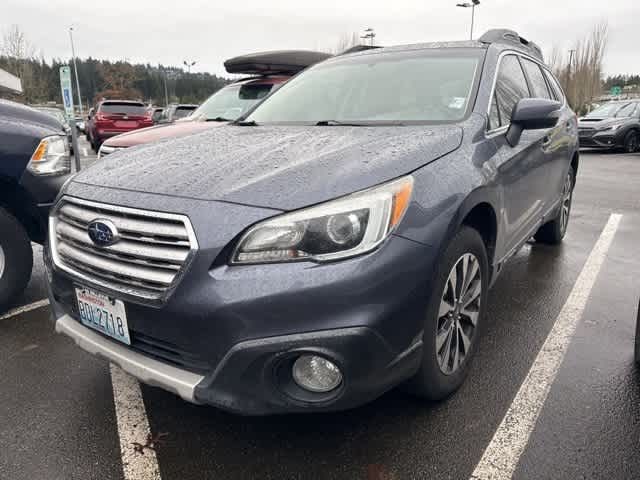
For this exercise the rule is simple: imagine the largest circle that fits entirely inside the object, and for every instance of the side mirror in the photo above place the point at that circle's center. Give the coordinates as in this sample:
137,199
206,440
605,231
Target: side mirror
532,114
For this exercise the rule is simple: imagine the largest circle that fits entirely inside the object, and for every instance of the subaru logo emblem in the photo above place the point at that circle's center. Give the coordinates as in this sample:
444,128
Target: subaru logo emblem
103,232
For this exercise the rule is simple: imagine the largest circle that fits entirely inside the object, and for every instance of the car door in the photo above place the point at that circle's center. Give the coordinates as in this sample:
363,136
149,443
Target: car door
556,141
521,171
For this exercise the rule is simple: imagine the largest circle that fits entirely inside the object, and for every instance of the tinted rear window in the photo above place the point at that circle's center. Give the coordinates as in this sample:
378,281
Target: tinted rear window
124,108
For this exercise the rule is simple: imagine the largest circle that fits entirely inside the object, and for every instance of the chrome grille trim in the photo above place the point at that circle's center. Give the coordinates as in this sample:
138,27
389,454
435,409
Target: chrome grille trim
154,250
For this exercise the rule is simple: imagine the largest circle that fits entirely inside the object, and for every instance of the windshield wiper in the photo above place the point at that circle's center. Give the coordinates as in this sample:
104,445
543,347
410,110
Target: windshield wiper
333,123
219,119
246,123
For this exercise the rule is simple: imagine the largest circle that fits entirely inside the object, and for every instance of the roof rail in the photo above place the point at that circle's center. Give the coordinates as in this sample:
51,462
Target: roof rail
499,35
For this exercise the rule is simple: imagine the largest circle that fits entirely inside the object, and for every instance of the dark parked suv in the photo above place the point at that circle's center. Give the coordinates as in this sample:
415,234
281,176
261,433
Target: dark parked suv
34,164
338,240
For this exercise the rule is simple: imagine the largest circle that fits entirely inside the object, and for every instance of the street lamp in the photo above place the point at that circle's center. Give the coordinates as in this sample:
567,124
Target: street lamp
189,65
472,5
75,68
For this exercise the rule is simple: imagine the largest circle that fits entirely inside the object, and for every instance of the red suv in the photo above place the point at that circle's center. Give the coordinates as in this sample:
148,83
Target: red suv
113,117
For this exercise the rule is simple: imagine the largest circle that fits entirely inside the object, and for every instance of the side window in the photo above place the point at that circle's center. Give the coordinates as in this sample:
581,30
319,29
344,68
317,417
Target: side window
538,83
555,86
494,114
511,86
626,111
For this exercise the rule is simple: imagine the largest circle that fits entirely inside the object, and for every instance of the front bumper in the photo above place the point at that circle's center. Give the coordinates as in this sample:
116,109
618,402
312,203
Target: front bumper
233,331
601,139
150,371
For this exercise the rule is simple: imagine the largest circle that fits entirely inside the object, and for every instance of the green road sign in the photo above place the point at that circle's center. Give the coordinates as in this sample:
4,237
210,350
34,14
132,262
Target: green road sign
616,91
67,92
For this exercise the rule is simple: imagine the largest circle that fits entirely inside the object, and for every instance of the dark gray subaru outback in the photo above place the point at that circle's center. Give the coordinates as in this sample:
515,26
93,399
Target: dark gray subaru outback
336,242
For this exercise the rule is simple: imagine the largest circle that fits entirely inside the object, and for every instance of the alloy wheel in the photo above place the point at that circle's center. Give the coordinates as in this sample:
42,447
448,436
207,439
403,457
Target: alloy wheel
2,261
458,315
567,192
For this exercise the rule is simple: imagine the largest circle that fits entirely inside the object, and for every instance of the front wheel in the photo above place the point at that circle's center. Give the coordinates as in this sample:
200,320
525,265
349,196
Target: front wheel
554,230
631,142
16,259
454,317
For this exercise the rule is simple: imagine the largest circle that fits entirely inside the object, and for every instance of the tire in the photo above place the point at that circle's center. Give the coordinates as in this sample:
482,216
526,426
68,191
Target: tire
631,142
16,259
447,323
554,230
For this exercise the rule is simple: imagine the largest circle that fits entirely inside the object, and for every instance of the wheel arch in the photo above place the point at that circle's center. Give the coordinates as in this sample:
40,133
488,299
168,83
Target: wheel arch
479,211
17,201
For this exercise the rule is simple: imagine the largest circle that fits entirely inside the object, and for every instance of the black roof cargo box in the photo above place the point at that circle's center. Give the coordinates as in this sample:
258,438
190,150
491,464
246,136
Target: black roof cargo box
274,62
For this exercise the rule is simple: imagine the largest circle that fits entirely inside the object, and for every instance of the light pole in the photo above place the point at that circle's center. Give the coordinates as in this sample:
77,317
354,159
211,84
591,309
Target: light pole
166,93
472,5
370,35
75,68
189,65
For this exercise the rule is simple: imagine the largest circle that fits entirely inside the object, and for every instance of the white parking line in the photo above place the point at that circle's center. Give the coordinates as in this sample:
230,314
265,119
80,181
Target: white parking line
25,308
501,457
133,428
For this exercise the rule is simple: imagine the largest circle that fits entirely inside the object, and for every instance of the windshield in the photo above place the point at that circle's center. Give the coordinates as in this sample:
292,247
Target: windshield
57,114
432,86
607,110
182,112
233,101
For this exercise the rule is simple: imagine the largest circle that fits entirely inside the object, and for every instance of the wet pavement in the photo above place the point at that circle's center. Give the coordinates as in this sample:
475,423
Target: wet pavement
57,418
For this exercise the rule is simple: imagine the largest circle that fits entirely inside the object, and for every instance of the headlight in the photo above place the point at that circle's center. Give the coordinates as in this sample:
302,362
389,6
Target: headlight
340,228
51,157
107,150
612,128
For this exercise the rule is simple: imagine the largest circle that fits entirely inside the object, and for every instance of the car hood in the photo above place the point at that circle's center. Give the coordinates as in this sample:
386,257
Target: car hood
159,132
601,122
274,166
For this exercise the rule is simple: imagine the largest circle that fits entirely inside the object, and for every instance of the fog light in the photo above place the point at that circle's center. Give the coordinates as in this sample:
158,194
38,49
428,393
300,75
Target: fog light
316,374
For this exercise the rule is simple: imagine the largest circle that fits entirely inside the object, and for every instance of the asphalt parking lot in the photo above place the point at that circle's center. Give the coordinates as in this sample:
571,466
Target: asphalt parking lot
65,415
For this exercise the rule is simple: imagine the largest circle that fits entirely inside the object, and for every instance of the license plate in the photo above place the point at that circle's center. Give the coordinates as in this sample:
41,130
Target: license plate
125,123
103,313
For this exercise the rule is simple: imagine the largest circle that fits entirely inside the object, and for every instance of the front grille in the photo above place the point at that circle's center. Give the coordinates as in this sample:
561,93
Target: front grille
586,132
153,251
168,352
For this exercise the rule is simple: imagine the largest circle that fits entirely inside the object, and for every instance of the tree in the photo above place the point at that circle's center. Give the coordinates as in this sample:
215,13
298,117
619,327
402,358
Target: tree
18,50
346,41
580,71
15,44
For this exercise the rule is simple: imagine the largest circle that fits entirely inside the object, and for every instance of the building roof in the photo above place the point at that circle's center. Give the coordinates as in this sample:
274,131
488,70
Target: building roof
9,83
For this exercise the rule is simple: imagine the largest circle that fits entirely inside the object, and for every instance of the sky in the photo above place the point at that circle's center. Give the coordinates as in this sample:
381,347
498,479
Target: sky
208,32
